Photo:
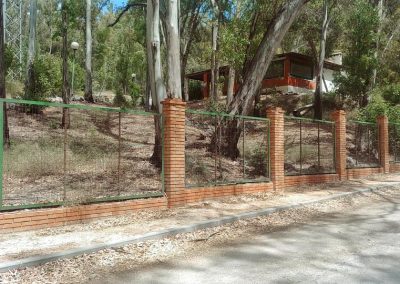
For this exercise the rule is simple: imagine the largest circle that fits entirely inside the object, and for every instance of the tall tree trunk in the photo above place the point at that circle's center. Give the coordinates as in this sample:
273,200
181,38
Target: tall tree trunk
186,88
29,88
321,59
214,52
231,86
157,86
187,37
174,67
6,133
88,62
64,54
244,99
379,32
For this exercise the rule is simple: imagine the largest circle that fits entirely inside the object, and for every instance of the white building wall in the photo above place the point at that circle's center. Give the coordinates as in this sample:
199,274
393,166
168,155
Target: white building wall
328,86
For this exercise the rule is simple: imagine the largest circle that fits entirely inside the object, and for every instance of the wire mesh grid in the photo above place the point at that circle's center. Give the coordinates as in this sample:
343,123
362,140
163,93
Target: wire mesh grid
309,146
394,142
362,144
222,149
102,155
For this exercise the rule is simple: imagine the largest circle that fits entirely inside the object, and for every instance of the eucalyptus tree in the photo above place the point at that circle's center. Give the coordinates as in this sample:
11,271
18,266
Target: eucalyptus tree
6,134
29,92
88,59
256,69
359,59
64,55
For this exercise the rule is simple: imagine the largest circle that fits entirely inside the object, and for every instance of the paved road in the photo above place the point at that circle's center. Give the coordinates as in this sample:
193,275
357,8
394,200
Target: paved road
362,246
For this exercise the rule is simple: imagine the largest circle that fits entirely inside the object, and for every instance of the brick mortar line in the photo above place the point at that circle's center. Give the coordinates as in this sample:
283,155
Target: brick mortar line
34,261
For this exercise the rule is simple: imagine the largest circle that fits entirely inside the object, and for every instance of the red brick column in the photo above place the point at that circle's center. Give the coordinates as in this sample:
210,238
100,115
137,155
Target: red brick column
277,147
339,117
383,127
174,151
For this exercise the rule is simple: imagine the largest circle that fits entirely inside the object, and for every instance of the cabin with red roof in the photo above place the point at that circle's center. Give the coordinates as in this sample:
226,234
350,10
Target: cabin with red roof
288,73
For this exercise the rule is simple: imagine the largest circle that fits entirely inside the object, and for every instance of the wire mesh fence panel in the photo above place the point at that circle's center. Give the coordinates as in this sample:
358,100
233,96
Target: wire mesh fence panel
256,150
92,154
309,147
140,166
71,154
222,149
362,143
33,160
200,149
394,142
229,158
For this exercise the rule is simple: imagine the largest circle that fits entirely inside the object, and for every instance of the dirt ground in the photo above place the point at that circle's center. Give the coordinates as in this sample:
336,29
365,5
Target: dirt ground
133,257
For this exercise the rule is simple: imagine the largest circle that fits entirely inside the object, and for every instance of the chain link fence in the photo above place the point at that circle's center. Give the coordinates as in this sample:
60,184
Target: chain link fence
394,142
362,144
103,154
224,149
309,146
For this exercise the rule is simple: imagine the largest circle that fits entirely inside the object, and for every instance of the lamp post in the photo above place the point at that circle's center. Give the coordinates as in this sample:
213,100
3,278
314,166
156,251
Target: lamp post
74,46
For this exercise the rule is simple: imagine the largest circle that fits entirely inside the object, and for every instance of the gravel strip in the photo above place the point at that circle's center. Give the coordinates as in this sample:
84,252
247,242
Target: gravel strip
89,267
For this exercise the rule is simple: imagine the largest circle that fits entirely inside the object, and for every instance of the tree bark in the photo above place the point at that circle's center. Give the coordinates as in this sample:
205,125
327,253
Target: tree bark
214,52
6,132
88,62
29,92
244,99
64,54
379,32
174,67
318,90
231,86
156,82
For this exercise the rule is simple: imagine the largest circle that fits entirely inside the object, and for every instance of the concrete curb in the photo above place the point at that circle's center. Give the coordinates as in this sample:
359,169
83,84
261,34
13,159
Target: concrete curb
33,261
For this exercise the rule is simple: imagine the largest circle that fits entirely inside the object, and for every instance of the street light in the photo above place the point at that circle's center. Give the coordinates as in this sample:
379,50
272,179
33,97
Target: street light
74,46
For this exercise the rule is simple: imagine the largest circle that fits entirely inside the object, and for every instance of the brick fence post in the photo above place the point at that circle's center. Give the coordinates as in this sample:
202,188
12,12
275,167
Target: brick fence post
277,147
383,128
339,117
174,151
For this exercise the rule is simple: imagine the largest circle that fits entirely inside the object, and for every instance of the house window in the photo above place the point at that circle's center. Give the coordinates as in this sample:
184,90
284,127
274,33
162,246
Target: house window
275,70
301,70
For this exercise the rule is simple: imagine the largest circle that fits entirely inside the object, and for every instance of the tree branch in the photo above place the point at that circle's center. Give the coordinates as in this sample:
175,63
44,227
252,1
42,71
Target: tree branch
126,9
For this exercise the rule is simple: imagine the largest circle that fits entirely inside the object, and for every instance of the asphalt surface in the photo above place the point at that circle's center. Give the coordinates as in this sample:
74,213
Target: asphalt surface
359,246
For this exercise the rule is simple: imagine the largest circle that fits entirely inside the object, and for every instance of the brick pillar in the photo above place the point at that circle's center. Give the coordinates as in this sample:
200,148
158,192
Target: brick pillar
339,117
277,147
383,127
174,151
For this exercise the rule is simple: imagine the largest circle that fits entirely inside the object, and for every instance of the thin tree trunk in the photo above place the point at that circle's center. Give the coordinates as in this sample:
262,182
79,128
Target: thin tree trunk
231,86
318,91
29,88
188,35
155,72
214,52
244,99
64,54
88,62
379,32
186,88
6,132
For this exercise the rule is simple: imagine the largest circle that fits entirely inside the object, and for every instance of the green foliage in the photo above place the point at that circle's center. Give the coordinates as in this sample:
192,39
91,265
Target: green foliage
391,93
8,58
379,107
47,78
359,60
